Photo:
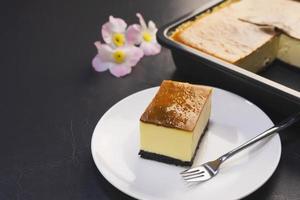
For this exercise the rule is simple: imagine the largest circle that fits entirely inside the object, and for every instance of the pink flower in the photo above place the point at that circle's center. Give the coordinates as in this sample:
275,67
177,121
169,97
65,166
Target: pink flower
118,61
119,54
114,32
144,35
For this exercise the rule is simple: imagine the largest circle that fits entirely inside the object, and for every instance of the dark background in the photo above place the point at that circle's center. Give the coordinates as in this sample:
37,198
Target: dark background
51,99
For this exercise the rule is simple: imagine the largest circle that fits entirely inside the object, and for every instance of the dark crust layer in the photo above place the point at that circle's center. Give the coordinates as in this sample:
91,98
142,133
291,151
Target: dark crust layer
169,160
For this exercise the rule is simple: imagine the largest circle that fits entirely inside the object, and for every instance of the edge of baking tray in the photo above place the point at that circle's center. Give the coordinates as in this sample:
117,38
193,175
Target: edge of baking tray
230,69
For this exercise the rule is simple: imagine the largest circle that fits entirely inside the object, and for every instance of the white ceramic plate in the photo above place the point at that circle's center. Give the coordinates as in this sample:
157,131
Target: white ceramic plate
115,147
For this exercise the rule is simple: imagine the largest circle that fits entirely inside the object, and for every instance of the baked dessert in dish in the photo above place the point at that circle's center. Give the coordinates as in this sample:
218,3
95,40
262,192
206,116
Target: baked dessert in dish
174,122
242,32
283,15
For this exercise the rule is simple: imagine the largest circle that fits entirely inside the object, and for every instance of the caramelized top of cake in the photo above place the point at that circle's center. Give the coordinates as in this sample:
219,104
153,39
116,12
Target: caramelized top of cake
282,14
177,105
222,34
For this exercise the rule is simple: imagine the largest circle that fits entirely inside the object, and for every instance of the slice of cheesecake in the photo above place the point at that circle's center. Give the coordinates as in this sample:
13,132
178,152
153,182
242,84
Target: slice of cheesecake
174,122
222,34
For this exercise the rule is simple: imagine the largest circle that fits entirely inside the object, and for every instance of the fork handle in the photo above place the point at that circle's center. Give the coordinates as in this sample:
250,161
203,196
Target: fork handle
280,126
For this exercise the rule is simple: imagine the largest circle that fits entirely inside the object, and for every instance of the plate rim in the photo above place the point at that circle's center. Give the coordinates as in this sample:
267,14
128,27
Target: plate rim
135,195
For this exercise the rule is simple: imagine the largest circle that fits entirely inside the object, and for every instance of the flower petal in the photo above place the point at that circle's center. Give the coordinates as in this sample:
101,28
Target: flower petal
104,51
120,70
152,27
118,25
134,54
114,25
150,48
99,65
133,34
106,32
97,44
142,21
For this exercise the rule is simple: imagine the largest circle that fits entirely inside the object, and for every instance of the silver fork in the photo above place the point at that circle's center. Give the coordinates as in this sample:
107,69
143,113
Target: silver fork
210,169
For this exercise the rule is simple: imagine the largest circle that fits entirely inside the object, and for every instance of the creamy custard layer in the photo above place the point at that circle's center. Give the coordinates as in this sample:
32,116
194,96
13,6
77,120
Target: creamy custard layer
261,57
289,50
172,142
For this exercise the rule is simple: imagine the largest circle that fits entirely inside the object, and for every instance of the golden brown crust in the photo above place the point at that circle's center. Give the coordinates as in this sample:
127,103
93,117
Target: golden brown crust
282,14
176,34
177,105
222,34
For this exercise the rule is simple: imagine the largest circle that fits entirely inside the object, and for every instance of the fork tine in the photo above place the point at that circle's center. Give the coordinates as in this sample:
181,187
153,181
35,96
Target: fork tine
195,180
193,177
191,170
192,174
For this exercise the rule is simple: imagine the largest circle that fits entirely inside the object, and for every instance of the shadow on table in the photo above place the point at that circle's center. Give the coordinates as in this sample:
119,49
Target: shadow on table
110,191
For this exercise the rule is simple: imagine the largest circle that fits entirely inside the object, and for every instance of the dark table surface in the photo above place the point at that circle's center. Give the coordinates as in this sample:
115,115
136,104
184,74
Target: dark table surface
51,99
